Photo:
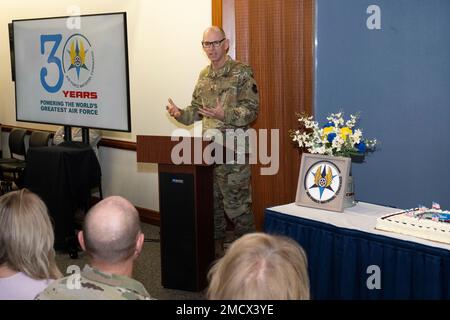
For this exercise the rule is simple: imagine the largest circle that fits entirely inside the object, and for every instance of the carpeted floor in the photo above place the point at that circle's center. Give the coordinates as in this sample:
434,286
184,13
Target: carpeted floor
147,268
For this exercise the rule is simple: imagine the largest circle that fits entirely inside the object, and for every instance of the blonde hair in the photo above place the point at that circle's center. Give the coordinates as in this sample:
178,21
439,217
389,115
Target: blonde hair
260,266
26,235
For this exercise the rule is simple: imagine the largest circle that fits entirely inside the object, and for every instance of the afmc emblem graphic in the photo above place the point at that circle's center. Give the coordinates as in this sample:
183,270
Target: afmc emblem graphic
323,181
78,60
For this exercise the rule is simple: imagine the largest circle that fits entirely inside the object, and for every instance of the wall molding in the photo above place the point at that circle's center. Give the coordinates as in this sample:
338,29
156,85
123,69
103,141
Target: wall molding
117,144
104,142
149,216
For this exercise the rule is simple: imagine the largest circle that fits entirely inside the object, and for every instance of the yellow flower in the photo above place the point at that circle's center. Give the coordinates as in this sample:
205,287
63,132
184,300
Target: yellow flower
345,131
327,130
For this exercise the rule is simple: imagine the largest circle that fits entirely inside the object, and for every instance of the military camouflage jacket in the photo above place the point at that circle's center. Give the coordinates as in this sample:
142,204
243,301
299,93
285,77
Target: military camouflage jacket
92,284
235,86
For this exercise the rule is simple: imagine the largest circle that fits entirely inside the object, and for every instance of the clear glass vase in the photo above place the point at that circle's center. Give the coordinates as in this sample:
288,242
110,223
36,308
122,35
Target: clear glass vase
349,197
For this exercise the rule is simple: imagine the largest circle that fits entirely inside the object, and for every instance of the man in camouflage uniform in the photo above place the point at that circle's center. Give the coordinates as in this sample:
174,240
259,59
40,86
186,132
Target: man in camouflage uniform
113,240
225,98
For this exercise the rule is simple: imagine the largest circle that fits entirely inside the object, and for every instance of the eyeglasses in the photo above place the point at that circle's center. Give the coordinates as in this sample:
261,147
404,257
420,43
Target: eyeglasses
215,44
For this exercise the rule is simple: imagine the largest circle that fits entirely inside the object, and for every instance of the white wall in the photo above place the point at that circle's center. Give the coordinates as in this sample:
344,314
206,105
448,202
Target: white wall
165,58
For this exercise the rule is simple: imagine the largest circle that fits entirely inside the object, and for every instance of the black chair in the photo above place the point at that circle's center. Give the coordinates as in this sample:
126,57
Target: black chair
15,165
39,139
16,143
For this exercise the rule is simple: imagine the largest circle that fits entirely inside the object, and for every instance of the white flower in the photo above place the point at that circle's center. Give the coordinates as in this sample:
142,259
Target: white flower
338,137
351,123
338,142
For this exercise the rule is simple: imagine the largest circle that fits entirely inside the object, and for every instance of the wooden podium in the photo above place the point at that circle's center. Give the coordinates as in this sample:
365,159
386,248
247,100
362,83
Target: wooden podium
186,211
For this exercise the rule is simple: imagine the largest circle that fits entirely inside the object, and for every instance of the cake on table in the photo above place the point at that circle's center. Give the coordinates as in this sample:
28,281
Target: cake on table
431,224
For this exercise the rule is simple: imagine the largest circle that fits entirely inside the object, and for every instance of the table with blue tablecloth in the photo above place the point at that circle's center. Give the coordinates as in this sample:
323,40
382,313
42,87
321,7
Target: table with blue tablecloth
345,252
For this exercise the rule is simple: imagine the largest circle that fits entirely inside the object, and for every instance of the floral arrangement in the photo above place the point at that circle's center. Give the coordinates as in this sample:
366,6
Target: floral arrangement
337,137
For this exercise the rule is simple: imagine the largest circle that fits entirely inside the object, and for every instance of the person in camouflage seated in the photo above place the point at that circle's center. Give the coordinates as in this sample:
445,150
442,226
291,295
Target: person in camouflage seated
113,240
225,98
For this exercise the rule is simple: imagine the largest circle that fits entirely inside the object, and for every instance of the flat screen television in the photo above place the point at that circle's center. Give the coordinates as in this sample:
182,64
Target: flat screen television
11,50
73,72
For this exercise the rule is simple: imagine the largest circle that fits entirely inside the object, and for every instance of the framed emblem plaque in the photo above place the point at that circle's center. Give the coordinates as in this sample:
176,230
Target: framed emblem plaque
322,181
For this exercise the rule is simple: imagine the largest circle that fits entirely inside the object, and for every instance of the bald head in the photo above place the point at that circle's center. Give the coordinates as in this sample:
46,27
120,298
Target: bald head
214,30
111,229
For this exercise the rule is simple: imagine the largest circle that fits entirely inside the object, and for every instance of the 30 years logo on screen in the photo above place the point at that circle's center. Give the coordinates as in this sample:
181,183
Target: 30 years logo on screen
76,62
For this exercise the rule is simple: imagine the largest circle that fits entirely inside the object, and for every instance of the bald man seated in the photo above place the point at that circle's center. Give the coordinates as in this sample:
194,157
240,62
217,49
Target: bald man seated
112,240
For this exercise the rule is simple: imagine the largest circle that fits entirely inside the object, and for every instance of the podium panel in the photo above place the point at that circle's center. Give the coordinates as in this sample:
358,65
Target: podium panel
187,226
186,214
178,241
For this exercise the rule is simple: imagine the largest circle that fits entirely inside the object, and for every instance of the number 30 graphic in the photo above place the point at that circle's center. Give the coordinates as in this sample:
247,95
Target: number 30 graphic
56,38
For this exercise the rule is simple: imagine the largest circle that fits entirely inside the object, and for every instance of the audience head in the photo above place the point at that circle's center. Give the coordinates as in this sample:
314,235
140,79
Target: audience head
111,232
26,235
260,266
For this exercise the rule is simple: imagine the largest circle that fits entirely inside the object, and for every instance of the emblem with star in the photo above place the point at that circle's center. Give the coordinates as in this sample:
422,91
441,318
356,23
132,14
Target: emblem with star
322,179
77,57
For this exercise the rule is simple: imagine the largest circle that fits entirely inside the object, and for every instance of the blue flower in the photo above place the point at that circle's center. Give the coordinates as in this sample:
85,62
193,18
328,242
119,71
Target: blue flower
329,124
361,147
331,136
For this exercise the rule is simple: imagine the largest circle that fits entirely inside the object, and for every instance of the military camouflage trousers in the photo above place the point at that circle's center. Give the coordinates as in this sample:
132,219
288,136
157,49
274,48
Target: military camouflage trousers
233,197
